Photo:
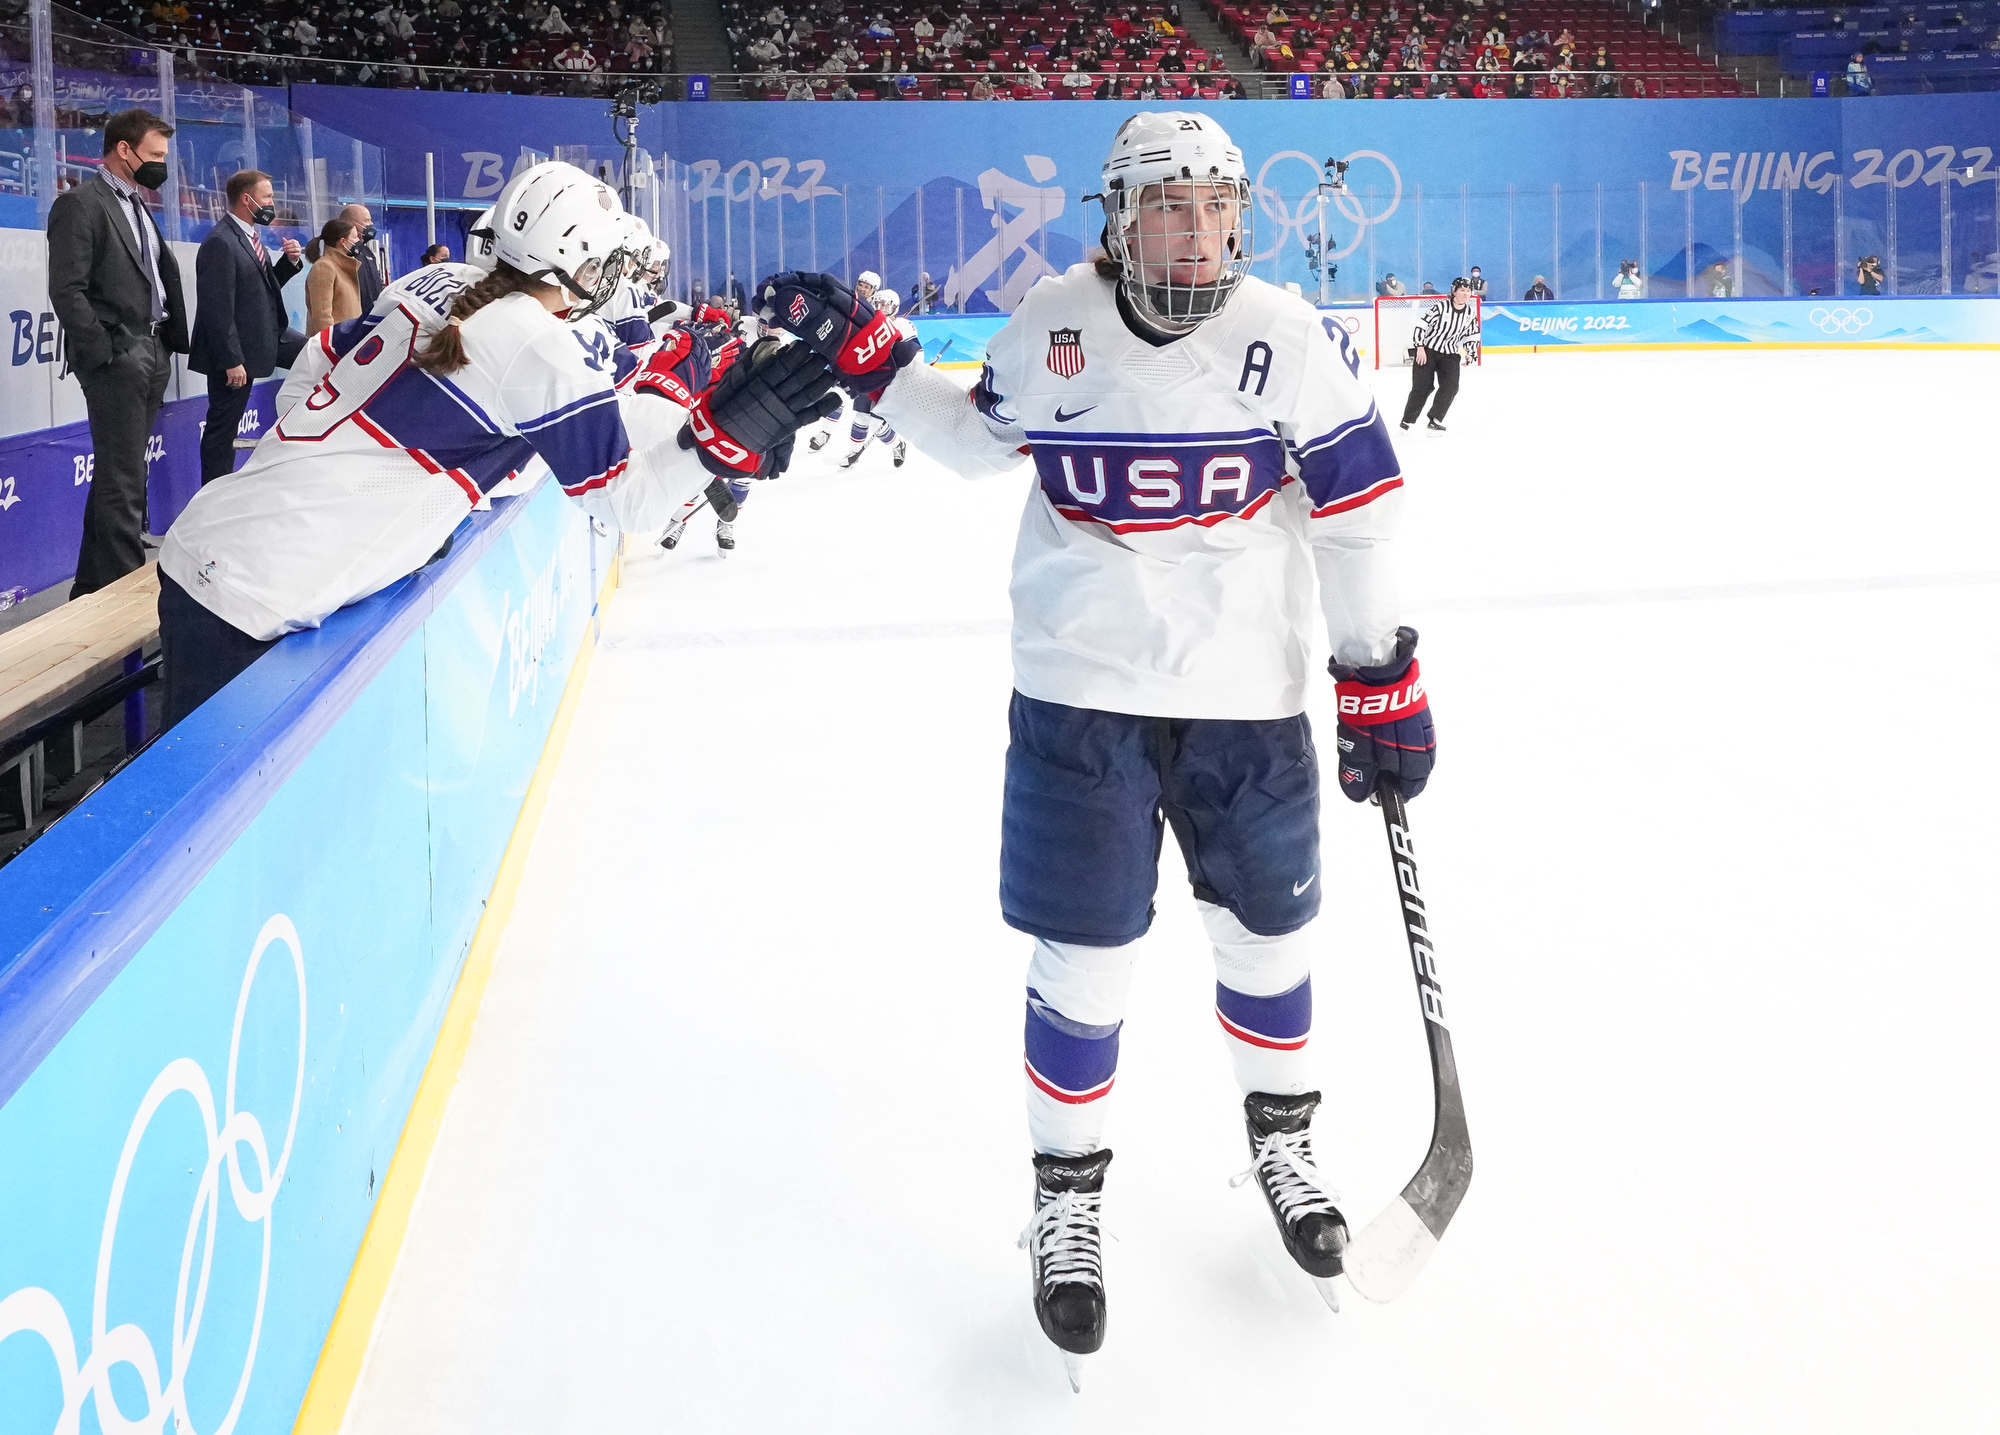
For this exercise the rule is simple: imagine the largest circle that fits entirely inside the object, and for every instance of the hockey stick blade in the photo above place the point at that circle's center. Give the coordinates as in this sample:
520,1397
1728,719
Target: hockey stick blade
1383,1260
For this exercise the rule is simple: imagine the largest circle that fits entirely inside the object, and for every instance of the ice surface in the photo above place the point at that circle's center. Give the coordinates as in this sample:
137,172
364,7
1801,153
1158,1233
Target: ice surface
1710,856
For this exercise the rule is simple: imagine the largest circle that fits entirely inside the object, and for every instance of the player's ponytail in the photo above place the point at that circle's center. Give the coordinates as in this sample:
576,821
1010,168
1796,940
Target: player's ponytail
1106,266
445,353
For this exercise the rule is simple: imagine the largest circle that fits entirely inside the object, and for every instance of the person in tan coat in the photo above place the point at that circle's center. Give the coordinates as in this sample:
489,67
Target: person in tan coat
333,285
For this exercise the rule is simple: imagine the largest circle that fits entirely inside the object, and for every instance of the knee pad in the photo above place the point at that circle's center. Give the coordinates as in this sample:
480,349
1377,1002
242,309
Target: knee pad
1251,964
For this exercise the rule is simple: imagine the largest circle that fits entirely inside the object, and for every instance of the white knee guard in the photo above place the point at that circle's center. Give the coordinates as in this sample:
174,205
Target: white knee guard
1263,1001
1076,1001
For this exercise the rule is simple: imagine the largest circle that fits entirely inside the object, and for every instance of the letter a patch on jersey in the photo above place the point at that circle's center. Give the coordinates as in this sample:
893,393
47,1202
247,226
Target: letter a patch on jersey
1066,352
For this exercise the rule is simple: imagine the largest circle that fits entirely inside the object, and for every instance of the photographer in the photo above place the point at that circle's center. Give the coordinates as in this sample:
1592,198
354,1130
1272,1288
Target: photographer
1868,274
1628,283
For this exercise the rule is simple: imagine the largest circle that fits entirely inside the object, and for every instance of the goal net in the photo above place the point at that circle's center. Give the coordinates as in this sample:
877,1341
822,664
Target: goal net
1396,320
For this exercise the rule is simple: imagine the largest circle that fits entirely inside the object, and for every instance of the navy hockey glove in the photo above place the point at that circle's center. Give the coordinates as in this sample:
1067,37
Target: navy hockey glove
763,399
1385,723
822,312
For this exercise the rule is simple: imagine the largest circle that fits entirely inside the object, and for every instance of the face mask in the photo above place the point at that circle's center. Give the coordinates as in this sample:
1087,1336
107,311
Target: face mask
264,214
366,236
150,175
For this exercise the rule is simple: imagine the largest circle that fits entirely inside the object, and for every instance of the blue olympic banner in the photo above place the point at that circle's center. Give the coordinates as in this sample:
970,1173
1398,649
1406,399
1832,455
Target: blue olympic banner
222,978
952,341
1873,322
1567,191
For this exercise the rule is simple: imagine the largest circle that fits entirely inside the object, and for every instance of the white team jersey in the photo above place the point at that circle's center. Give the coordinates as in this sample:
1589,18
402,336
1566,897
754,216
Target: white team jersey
1191,498
373,462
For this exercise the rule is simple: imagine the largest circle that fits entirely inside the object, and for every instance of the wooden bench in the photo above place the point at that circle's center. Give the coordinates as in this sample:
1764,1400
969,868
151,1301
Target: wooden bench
57,663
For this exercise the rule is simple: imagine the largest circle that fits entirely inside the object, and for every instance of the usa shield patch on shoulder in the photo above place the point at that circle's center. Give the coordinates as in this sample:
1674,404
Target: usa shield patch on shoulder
1066,352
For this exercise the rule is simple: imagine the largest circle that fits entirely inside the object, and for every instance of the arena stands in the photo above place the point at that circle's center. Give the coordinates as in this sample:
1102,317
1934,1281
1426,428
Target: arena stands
468,45
1901,49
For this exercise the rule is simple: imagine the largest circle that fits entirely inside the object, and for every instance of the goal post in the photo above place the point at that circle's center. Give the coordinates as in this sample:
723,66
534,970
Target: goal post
1396,320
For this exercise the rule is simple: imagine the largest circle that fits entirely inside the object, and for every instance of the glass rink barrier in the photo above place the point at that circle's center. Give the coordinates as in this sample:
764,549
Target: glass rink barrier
1725,226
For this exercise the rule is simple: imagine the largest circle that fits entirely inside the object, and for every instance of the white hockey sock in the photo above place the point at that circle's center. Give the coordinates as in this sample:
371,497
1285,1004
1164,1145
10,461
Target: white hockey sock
1076,1003
1263,1000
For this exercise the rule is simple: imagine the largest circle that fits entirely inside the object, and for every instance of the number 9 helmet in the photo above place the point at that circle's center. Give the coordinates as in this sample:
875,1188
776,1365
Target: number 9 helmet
555,223
1167,161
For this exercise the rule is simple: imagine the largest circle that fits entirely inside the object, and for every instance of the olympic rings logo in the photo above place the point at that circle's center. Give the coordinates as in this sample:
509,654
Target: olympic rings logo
1301,217
1842,320
35,1311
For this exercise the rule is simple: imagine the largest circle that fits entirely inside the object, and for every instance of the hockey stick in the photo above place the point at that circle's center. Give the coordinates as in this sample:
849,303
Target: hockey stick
1386,1257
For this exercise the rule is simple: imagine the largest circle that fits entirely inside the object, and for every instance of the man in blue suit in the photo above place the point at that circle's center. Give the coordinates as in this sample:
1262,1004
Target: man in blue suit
240,333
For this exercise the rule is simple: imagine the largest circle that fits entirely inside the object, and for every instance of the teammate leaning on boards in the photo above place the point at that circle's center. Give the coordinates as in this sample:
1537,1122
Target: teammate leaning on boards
1209,462
417,411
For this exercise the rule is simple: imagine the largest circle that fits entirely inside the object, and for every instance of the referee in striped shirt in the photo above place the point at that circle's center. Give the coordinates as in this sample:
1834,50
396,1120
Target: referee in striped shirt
1440,340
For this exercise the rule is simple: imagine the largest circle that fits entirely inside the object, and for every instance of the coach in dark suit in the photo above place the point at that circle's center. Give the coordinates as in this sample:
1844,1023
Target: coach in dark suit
116,290
240,333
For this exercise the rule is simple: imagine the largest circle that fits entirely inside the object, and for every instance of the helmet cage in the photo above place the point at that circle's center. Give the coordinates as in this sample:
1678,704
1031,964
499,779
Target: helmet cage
1169,305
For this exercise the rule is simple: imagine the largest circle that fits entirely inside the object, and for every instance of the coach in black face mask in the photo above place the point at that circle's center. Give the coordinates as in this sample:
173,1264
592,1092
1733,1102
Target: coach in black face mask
370,275
116,290
240,334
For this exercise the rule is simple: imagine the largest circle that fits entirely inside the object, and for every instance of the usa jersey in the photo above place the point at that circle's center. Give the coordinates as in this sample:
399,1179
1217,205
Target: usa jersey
369,469
1191,500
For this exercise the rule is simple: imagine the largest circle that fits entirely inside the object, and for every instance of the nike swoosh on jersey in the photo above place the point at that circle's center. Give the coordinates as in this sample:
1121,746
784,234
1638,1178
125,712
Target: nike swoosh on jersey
1299,888
1063,418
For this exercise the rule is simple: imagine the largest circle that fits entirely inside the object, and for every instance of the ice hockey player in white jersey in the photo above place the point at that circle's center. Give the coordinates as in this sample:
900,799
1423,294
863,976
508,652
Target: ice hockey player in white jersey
888,303
1213,484
419,410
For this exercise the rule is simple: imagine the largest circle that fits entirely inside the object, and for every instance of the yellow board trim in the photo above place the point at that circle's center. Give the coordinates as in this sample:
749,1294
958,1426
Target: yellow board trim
339,1369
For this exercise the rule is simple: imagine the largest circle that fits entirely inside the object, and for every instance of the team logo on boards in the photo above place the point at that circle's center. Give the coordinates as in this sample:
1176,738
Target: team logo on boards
1065,352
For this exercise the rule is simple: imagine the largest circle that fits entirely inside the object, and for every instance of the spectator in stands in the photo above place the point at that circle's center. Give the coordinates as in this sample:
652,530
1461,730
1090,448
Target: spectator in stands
1859,81
1495,36
1868,274
1232,88
333,288
844,91
1264,39
240,334
579,62
1330,88
1076,80
879,28
1539,290
304,35
116,290
1720,284
553,22
1476,282
1171,63
1388,286
1628,284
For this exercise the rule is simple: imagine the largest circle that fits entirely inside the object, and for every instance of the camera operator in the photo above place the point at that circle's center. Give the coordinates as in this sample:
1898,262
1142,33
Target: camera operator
1628,283
1868,274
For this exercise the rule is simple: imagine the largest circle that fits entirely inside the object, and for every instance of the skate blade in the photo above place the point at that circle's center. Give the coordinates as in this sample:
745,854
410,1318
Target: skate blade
1073,1368
1329,1291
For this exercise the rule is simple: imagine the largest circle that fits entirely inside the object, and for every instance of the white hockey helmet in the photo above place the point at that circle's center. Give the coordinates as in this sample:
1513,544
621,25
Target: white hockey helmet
636,240
887,301
869,280
1152,151
555,223
659,255
479,241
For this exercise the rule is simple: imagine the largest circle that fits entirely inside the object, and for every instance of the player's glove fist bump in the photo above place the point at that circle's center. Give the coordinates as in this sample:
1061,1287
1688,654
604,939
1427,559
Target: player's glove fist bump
822,312
761,400
1385,723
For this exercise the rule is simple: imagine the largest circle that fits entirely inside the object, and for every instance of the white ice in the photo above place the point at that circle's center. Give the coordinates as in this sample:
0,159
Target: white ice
1711,858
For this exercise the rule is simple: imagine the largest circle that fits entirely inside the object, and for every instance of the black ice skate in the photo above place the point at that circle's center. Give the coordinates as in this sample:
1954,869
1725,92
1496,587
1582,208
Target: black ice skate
1434,424
818,440
1403,423
725,537
902,451
852,458
671,539
1281,1158
1064,1243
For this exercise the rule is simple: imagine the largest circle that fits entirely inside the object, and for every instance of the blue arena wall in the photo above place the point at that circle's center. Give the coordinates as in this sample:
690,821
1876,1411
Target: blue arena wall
222,977
1517,186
